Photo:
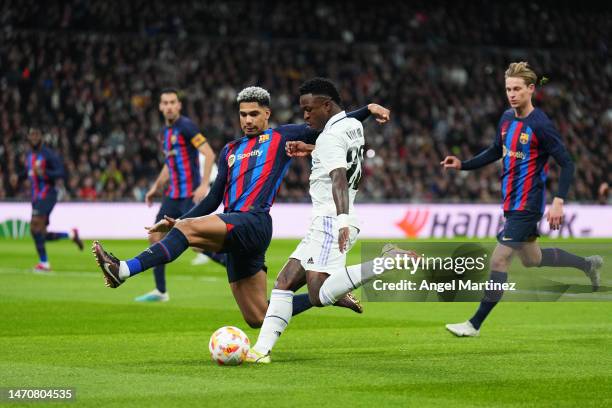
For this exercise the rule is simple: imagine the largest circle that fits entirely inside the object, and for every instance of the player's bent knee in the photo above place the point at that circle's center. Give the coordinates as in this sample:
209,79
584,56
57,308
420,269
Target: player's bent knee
530,263
36,227
500,264
313,296
292,277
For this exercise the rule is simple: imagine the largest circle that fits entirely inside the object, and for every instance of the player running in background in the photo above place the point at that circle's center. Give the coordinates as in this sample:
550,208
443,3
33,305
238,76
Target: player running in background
182,143
44,168
250,170
321,256
525,139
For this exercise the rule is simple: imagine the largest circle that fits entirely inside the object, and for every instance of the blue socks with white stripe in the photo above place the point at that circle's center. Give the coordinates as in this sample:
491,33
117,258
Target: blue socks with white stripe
162,252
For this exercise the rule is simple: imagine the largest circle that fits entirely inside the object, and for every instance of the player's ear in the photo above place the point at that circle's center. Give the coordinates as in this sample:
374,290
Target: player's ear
267,112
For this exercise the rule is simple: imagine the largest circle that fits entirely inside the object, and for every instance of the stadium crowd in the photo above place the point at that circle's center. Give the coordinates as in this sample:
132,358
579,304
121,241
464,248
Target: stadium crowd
89,73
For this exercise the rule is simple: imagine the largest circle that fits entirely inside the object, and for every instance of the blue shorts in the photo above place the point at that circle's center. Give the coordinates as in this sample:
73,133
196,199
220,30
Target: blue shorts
247,240
174,207
520,227
44,206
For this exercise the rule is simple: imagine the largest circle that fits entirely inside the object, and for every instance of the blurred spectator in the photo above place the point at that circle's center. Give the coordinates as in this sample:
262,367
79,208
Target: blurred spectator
90,73
87,192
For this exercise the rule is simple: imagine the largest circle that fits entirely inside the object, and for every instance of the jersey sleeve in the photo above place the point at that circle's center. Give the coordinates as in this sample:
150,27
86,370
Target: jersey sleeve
492,153
552,144
194,135
214,198
55,169
332,150
360,114
302,133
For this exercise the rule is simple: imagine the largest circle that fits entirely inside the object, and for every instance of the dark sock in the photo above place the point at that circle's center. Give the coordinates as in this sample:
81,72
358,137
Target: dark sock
162,252
301,303
54,236
159,271
39,242
559,257
490,299
217,257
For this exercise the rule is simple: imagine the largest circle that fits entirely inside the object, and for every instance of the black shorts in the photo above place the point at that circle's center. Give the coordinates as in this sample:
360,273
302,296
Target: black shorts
520,227
174,207
44,206
247,240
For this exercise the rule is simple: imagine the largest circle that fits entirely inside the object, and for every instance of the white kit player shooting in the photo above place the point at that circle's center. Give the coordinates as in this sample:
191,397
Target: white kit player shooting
336,171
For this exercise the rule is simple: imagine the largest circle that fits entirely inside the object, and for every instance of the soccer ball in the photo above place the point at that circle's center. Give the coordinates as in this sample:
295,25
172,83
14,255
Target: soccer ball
228,346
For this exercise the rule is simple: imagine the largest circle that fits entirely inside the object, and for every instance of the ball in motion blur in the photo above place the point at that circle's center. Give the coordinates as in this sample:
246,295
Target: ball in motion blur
228,346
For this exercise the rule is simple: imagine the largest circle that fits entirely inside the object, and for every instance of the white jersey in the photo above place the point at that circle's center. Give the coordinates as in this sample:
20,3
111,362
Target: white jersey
340,145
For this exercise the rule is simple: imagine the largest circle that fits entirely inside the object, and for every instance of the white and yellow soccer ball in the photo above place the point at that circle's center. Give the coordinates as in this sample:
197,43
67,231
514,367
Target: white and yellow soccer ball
228,346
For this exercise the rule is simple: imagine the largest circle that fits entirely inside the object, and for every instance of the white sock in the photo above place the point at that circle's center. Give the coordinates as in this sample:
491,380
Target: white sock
124,271
277,319
340,283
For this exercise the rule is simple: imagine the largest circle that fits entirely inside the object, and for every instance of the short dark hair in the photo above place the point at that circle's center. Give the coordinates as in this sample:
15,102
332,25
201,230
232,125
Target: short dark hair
254,94
321,86
170,90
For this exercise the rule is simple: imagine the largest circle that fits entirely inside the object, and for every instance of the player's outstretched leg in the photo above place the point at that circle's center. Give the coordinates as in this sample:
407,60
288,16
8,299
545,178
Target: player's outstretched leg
280,310
73,235
339,284
589,265
204,232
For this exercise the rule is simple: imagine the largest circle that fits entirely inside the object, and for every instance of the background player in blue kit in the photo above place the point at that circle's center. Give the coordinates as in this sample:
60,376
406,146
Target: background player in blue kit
250,170
44,168
182,142
525,139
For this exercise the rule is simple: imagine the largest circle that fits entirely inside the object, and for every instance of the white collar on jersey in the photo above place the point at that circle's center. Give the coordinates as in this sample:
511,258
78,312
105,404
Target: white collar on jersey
334,119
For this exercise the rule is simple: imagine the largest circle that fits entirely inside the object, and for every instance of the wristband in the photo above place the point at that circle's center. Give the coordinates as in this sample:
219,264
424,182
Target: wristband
343,221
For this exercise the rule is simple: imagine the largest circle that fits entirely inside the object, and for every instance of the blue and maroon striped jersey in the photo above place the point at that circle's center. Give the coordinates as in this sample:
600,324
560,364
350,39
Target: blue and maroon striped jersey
255,166
250,170
526,145
43,167
180,144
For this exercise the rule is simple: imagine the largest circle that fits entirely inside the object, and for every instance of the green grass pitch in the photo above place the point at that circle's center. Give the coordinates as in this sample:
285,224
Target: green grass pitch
66,329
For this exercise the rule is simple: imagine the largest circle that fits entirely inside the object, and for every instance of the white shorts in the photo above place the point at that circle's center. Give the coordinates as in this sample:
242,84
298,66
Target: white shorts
319,250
